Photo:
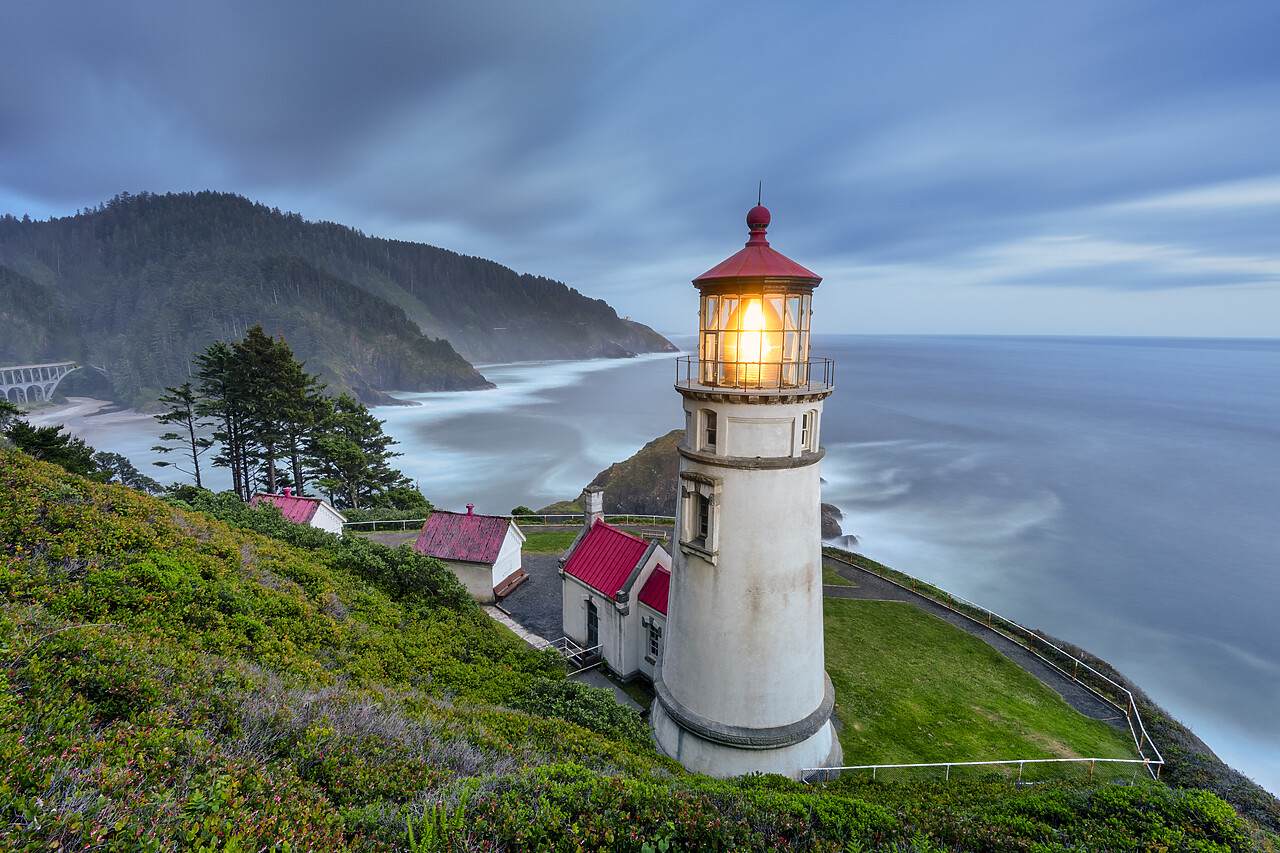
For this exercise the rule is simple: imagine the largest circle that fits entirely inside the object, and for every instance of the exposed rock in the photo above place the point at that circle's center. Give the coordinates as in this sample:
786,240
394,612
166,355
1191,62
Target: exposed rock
831,518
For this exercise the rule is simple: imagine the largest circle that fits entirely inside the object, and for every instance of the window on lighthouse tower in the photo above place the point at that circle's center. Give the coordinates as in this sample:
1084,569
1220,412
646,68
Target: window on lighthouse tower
698,508
704,520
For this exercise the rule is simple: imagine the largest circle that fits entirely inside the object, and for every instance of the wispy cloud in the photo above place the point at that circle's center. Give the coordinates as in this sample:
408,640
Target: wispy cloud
1256,192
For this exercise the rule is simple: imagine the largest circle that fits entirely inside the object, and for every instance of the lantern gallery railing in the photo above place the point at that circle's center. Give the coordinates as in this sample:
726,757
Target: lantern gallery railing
814,374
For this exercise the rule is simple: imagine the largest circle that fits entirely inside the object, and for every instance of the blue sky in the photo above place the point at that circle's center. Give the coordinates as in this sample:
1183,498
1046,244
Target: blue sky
1024,168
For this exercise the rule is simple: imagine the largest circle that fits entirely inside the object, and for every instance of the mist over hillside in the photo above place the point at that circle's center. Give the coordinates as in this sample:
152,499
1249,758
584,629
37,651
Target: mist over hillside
140,284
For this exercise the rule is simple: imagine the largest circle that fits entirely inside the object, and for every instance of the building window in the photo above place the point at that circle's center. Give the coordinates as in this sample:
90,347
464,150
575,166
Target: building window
806,428
655,640
699,505
593,626
709,430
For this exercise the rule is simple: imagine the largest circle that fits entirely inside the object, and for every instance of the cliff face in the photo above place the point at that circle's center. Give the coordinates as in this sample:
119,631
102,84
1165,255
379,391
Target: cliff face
646,483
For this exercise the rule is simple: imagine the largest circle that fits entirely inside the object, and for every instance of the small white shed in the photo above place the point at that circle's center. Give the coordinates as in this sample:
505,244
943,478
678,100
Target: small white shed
484,551
315,512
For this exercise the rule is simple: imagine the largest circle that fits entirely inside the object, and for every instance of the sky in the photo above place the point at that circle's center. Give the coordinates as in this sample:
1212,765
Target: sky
1094,168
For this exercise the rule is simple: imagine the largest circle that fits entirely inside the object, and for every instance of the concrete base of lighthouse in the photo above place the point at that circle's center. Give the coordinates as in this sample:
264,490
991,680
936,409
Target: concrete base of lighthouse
703,746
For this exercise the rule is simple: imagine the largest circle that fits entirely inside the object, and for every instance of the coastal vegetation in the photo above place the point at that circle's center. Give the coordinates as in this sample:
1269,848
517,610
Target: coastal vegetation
136,285
209,676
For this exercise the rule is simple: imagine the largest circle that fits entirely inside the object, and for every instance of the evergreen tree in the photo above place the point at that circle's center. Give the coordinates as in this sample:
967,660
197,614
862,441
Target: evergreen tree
221,398
51,444
8,411
121,468
351,455
183,404
256,367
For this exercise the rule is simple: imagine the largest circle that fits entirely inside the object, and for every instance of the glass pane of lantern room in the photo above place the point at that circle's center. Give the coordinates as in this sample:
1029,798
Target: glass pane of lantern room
710,317
708,356
793,313
728,309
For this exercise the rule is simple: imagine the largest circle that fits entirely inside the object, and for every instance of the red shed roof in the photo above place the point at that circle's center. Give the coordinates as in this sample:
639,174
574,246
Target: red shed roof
470,538
605,558
297,509
757,260
655,590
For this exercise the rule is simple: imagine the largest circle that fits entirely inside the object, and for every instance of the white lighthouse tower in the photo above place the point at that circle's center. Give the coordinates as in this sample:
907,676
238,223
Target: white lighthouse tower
742,686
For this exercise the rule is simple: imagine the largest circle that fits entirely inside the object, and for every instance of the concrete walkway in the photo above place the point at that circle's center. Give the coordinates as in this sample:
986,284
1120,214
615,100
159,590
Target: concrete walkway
871,587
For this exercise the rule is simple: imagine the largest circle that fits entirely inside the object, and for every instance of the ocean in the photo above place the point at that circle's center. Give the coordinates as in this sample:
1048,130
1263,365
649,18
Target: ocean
1117,493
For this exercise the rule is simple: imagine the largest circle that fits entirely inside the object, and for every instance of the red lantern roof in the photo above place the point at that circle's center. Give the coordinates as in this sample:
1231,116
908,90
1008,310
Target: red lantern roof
757,260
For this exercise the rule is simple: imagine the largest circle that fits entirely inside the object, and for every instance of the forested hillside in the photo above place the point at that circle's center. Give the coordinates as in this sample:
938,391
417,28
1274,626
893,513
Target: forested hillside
139,284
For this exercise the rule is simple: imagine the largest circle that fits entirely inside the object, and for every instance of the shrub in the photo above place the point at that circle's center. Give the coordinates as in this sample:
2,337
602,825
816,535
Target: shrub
593,708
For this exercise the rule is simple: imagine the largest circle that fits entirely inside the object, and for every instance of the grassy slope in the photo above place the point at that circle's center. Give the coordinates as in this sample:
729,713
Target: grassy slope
172,682
899,706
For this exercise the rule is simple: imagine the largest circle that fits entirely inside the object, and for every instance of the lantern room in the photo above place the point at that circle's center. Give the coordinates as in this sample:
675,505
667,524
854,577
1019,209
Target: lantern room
754,317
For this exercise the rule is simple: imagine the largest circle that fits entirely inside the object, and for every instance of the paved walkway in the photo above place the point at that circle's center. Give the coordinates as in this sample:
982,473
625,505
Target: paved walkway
871,587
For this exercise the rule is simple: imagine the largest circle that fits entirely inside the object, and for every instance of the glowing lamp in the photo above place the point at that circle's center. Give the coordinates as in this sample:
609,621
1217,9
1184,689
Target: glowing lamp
754,317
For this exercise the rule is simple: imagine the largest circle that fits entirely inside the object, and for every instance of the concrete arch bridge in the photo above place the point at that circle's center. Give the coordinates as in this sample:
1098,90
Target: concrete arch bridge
32,383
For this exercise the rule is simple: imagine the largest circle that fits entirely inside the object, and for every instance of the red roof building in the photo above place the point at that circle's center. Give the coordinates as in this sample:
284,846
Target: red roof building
602,571
482,550
315,512
656,589
470,538
605,558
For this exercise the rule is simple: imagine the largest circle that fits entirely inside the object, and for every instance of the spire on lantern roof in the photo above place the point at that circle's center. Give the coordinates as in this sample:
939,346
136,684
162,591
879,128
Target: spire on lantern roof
757,259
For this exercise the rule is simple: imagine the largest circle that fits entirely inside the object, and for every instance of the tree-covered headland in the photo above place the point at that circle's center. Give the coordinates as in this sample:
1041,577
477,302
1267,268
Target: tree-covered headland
134,286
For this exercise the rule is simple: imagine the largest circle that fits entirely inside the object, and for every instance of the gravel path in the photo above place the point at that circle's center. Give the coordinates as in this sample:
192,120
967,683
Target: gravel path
535,604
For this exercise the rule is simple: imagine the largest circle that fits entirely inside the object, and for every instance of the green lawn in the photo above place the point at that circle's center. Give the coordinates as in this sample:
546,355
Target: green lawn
911,688
548,541
830,578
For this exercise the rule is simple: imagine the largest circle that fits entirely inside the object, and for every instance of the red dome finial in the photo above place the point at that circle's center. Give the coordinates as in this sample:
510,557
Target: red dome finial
758,222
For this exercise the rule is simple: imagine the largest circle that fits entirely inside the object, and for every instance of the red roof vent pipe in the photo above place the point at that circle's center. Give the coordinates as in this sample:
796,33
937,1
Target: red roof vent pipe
470,508
288,491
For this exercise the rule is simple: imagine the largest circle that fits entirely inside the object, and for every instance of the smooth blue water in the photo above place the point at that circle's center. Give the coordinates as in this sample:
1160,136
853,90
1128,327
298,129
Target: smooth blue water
1118,493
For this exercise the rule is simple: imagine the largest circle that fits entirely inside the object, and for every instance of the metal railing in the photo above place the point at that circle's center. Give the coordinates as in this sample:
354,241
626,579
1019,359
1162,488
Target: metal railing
533,519
811,375
577,655
374,525
1021,762
1042,648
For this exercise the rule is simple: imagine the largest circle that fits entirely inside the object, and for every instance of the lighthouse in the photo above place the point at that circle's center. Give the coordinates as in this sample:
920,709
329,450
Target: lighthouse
742,686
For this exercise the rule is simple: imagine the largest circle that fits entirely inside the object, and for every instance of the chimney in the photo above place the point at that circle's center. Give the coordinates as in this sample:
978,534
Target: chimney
288,491
470,508
592,498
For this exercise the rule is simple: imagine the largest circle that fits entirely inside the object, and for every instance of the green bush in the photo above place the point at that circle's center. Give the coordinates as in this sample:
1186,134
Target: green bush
593,708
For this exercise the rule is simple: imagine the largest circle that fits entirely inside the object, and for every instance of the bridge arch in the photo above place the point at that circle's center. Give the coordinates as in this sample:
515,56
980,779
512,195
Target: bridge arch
30,383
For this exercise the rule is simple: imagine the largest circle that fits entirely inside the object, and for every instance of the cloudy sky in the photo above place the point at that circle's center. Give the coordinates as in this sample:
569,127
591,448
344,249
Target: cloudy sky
1062,168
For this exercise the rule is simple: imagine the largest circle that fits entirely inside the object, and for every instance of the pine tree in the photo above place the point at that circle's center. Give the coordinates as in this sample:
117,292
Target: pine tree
351,455
183,406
